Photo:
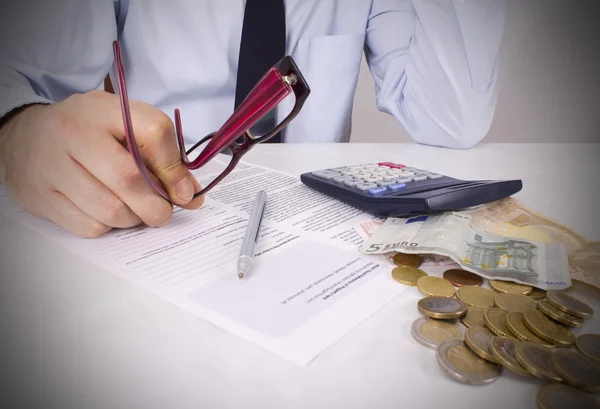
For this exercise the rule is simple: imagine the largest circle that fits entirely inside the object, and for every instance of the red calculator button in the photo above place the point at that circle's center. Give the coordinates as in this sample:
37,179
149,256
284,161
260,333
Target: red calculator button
388,164
397,166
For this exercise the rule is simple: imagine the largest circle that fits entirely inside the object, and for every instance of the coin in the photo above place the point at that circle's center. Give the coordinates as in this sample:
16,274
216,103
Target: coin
557,315
476,296
537,360
435,286
577,370
460,277
407,275
410,260
503,349
432,333
479,339
564,396
464,365
588,345
537,294
510,287
442,307
547,329
515,324
474,317
569,304
514,302
495,321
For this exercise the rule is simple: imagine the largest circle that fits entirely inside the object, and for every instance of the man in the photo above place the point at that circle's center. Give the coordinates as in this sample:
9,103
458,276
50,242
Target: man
62,154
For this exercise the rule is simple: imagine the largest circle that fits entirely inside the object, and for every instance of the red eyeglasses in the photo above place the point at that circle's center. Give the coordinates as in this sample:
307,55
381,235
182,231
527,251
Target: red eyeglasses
260,109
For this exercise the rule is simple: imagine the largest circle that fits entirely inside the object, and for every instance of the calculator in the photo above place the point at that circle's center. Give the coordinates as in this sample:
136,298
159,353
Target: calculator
394,189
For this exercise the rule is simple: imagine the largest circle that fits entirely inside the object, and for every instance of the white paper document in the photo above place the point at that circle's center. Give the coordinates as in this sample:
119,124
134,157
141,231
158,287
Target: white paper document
309,285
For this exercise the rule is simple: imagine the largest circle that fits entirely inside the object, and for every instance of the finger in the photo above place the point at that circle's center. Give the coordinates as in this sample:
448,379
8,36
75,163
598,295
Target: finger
105,158
155,137
61,211
89,194
197,202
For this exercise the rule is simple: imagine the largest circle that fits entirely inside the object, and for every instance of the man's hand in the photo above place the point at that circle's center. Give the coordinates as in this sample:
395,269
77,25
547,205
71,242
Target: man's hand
68,163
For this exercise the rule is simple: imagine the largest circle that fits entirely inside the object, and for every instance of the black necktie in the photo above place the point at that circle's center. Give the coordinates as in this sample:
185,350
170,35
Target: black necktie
262,45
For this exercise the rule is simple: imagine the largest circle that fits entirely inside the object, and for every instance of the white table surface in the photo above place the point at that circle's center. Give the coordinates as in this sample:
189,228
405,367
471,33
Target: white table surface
75,336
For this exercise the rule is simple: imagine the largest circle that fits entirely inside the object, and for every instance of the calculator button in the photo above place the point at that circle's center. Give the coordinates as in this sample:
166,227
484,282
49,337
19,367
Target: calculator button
408,173
339,169
419,178
365,186
397,166
353,182
373,179
403,180
396,186
377,190
349,172
386,182
371,166
342,178
325,174
388,164
435,176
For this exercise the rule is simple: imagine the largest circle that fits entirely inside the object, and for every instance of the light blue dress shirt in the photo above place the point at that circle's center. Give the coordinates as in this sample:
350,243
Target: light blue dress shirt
434,62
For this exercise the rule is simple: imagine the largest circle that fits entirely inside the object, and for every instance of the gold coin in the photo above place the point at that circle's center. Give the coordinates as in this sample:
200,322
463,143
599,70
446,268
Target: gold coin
476,296
479,339
410,260
495,320
435,286
474,317
462,364
537,360
547,329
537,294
459,277
557,315
442,307
569,304
577,370
503,349
509,287
514,302
559,396
407,275
588,345
515,324
432,333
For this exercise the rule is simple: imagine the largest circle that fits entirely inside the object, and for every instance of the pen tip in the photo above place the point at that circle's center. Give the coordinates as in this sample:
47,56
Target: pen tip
241,275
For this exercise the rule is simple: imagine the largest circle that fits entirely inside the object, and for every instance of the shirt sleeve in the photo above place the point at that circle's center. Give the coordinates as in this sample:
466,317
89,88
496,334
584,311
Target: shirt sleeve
435,66
53,49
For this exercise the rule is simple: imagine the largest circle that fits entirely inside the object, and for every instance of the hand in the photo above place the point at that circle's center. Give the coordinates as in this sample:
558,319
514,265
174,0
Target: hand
68,163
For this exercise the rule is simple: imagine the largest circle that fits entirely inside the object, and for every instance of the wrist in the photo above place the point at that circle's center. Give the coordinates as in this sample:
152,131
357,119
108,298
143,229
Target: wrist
10,124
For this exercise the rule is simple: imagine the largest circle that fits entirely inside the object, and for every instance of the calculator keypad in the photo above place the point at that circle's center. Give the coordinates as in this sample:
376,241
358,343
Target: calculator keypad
377,178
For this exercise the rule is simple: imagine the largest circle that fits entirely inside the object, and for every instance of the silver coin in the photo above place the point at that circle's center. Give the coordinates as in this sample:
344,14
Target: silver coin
432,333
462,364
558,396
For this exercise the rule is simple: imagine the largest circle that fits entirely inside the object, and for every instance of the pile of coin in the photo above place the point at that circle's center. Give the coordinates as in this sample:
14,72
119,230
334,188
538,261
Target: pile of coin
477,332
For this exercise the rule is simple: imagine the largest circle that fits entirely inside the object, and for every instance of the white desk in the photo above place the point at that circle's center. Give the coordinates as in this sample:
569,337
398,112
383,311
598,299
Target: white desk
75,336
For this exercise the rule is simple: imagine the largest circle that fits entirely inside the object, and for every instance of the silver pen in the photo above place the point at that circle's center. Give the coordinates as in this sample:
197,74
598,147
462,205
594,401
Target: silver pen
251,236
